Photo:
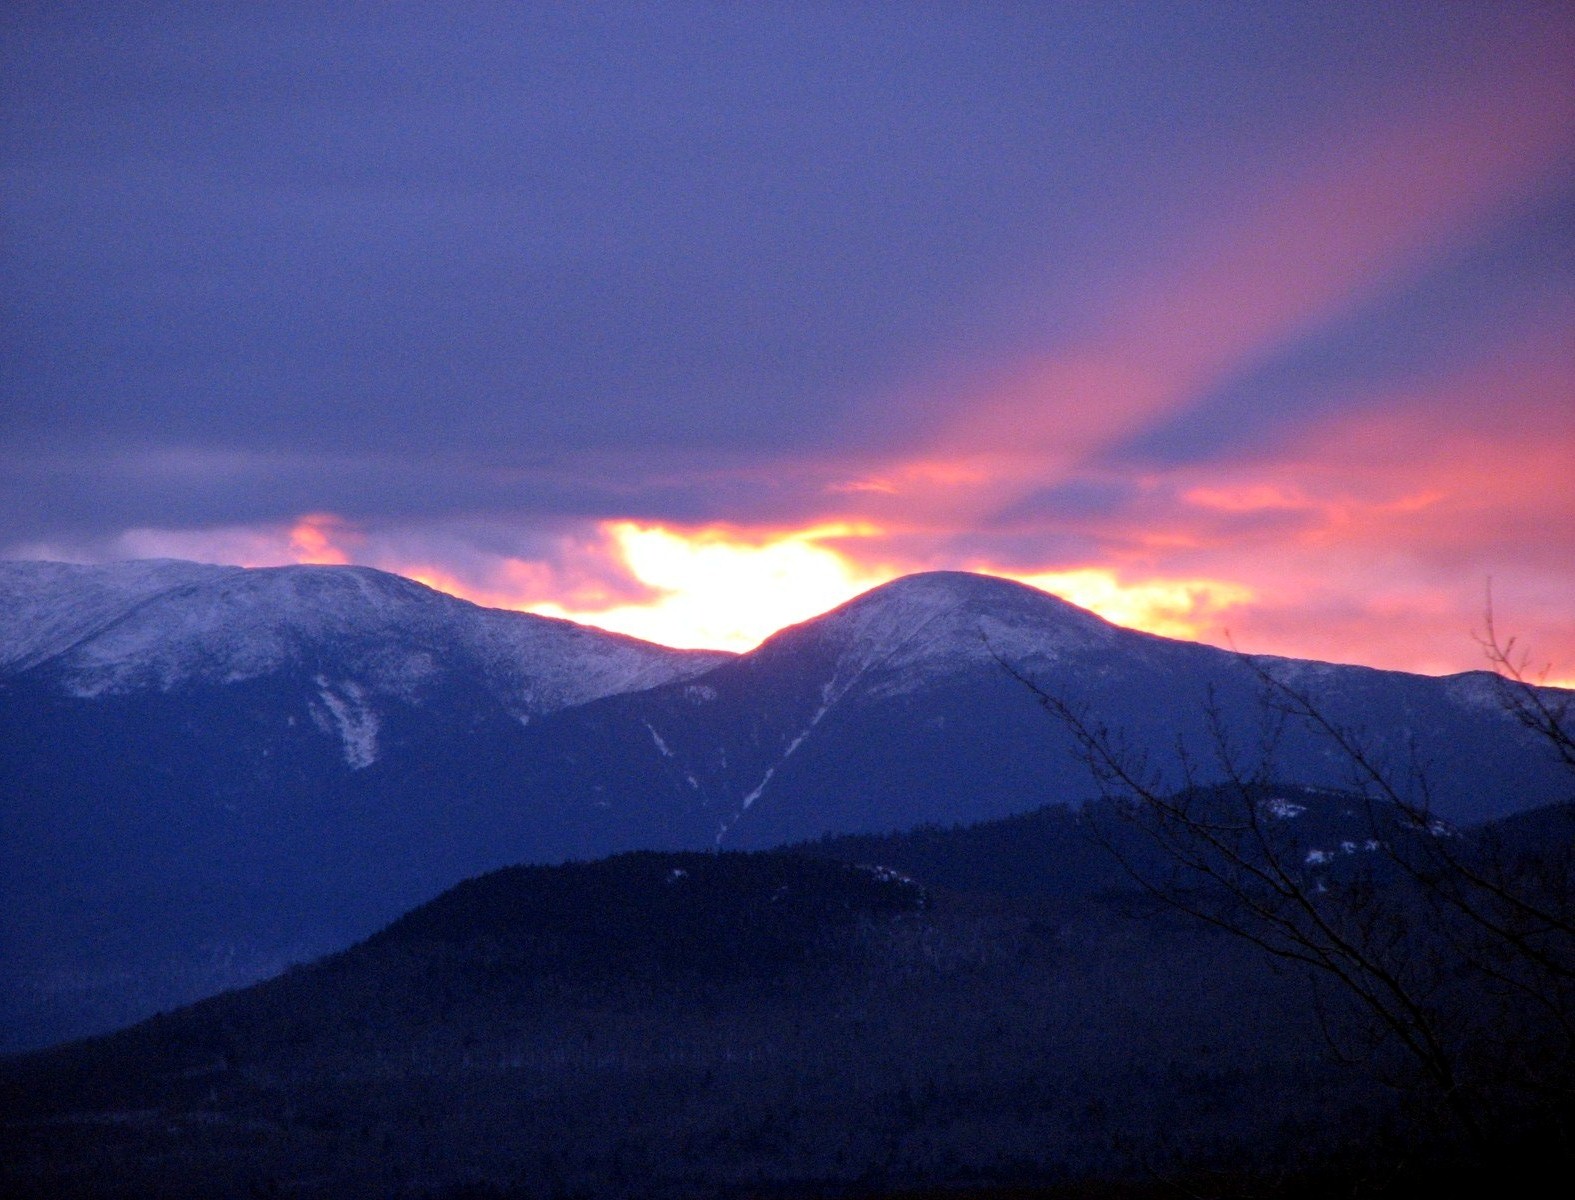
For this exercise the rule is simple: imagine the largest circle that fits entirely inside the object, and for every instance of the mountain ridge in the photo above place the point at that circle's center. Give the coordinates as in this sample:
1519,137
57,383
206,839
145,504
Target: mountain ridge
124,587
170,623
174,808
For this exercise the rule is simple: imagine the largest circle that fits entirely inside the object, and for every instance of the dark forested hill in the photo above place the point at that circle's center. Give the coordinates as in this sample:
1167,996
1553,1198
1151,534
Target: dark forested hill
676,1024
963,1009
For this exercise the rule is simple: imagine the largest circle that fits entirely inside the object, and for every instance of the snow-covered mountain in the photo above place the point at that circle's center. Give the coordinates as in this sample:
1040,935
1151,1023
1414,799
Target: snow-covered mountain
899,708
164,625
206,772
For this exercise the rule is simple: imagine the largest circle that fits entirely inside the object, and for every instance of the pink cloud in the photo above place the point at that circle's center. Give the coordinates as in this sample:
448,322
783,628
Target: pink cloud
1288,250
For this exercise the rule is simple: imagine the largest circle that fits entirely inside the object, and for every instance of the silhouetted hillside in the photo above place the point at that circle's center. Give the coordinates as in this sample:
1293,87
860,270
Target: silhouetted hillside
987,1008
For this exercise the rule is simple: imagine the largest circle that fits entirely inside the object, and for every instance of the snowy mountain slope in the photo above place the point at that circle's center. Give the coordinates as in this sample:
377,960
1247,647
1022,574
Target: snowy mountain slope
896,709
211,765
137,626
48,607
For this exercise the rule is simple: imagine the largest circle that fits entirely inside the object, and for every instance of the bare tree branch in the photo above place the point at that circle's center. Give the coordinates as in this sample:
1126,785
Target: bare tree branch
1457,955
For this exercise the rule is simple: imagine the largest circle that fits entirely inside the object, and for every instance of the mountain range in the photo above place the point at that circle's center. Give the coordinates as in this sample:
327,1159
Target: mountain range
207,773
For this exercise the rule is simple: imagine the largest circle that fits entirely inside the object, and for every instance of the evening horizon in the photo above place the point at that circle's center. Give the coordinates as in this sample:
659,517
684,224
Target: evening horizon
1254,327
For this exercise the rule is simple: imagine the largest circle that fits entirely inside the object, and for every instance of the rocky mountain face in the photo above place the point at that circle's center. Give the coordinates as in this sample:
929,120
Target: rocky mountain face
207,773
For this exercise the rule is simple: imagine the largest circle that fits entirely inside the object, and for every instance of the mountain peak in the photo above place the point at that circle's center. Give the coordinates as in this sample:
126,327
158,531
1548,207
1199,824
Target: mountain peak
950,619
948,589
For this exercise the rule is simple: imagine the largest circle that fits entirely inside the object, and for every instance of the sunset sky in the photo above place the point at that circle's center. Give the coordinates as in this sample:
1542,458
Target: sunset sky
1246,322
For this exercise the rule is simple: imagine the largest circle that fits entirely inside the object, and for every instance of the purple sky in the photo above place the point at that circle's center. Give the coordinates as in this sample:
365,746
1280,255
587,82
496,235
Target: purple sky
1257,317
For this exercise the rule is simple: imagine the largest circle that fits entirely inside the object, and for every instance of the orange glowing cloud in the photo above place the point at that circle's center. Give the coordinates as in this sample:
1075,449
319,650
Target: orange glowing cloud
1372,536
1292,250
1461,470
315,538
1404,508
1368,539
1376,570
714,587
1253,497
729,588
1366,536
1194,609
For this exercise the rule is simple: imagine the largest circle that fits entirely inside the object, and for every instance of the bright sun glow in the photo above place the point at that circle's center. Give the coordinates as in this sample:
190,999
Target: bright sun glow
1179,608
723,589
727,587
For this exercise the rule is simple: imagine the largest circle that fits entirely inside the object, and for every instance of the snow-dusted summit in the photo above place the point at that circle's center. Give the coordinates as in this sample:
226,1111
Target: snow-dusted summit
907,704
944,622
165,625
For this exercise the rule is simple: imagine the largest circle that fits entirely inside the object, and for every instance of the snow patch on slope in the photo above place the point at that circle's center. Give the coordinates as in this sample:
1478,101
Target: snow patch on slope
1487,691
46,608
353,718
827,701
1280,809
661,745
